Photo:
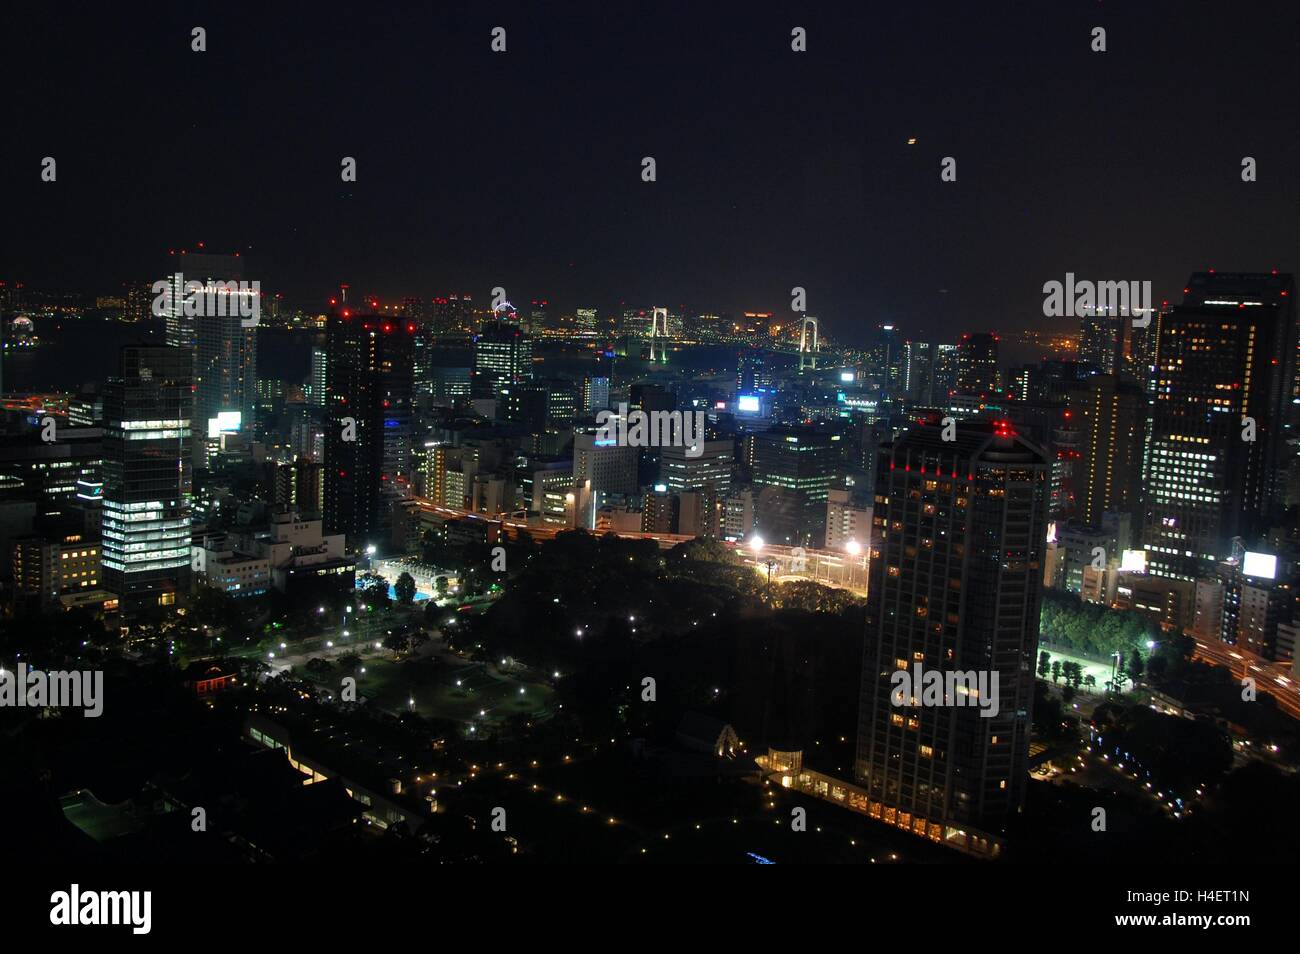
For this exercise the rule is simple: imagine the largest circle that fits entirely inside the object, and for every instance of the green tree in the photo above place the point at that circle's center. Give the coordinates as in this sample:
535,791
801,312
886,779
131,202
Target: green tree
1056,670
1076,675
1135,665
1044,663
405,589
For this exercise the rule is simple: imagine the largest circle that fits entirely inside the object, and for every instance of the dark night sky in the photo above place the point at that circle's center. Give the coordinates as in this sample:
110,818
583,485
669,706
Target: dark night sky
775,168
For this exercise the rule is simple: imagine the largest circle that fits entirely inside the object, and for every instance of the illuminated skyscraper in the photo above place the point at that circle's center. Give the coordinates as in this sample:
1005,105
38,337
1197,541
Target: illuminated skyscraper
1215,464
1101,341
977,363
225,377
503,356
1109,414
147,476
180,330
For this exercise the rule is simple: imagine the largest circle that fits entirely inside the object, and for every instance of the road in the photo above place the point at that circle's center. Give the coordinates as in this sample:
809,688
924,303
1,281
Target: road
1271,677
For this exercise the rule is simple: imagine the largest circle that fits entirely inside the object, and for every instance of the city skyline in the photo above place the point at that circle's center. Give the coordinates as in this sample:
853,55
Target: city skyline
651,435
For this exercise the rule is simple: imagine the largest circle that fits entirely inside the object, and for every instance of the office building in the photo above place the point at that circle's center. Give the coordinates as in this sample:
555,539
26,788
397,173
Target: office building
147,476
503,357
1215,464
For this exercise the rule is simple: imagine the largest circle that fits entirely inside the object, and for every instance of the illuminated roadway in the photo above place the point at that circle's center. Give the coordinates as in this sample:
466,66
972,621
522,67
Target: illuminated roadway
1274,678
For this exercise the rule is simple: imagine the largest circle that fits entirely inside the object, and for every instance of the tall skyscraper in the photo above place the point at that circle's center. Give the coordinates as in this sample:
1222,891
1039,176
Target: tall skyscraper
712,467
503,356
977,363
918,372
180,330
1215,465
602,468
958,534
1101,341
946,369
792,471
147,476
1109,414
225,378
369,394
319,360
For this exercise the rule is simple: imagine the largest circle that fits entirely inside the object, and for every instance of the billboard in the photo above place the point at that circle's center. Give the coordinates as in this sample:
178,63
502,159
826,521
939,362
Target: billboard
1262,565
1133,561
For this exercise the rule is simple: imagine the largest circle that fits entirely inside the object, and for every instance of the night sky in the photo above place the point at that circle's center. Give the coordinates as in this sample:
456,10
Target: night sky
775,168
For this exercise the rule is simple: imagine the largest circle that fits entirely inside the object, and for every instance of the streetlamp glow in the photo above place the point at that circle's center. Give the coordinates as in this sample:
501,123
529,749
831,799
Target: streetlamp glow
756,544
853,547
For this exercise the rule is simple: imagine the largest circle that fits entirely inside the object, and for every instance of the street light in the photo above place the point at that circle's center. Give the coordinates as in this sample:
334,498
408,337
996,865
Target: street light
853,547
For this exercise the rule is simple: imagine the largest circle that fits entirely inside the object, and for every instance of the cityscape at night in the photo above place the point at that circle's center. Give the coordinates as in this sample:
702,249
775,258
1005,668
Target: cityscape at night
576,434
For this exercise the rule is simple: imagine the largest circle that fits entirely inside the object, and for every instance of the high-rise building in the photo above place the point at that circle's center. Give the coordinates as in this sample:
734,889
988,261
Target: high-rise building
1215,465
369,393
147,476
181,330
602,468
918,372
887,358
452,314
1110,416
847,523
541,404
317,384
958,538
946,368
541,316
225,379
503,356
711,467
595,394
792,471
977,363
1101,341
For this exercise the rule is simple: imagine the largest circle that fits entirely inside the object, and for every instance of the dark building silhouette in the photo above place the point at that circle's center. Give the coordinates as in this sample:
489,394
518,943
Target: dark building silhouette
369,393
958,531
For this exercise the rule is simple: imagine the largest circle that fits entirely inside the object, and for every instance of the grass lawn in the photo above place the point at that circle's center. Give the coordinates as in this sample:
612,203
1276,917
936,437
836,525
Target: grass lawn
391,685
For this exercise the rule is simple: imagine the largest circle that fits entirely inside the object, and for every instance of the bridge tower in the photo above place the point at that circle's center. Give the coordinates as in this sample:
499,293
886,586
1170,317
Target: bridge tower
659,333
808,355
